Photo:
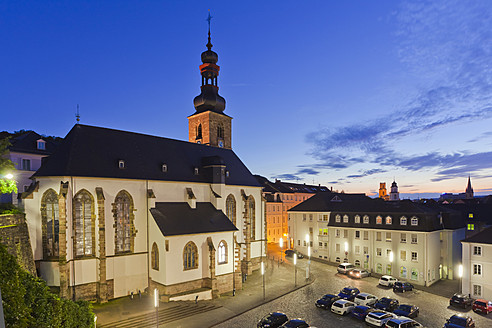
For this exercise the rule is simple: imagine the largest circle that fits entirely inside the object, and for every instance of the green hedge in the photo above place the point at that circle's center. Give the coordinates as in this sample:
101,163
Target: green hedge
27,301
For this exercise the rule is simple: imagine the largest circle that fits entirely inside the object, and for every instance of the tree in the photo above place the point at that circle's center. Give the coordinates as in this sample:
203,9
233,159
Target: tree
6,166
27,301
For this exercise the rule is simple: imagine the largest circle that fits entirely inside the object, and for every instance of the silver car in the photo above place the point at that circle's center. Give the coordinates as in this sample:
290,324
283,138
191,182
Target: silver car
359,273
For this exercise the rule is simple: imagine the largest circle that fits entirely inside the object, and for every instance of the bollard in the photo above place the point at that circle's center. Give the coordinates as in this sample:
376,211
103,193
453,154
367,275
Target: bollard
196,299
131,295
234,291
139,294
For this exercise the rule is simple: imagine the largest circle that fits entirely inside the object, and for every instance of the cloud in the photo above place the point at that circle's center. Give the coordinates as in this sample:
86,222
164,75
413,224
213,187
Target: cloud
286,176
484,135
449,44
308,171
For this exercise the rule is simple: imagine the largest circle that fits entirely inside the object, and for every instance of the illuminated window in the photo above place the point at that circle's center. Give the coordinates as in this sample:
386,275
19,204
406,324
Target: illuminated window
338,218
379,219
470,215
345,219
123,217
357,219
389,220
388,236
83,224
366,219
222,252
51,223
470,226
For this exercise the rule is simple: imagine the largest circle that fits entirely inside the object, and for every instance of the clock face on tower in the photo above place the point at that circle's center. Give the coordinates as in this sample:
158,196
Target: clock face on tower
221,143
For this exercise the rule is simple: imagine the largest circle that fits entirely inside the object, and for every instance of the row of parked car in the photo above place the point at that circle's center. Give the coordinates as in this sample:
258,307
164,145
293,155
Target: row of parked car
279,319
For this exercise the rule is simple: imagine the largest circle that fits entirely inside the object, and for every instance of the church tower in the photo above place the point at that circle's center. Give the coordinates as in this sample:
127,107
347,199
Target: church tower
394,194
382,191
209,125
469,190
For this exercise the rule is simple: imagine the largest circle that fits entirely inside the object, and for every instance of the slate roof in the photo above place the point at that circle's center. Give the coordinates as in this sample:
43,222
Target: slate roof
27,143
89,151
359,204
287,187
482,237
175,218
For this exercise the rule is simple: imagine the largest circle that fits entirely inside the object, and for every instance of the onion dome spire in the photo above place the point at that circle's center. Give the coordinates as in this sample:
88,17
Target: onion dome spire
209,98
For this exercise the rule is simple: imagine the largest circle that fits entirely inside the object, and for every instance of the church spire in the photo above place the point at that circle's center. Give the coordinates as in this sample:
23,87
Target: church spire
469,190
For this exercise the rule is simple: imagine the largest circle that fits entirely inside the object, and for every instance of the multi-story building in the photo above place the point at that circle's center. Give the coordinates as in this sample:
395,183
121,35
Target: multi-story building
412,241
26,152
280,197
477,265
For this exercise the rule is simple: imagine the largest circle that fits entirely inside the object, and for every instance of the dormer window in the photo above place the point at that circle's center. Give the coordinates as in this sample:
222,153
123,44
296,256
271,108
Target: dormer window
227,174
164,167
121,164
41,144
196,171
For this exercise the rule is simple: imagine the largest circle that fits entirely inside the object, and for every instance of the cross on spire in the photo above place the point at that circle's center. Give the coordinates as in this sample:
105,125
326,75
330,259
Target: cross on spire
209,19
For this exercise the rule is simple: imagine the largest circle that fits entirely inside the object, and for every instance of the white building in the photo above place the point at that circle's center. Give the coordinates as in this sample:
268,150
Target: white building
477,265
411,241
114,212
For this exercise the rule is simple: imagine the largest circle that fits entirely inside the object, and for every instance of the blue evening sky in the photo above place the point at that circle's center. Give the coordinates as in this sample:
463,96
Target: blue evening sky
341,93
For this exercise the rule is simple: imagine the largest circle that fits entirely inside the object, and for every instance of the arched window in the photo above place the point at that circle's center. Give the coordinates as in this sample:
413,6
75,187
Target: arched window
154,257
123,222
199,131
379,268
190,256
388,269
231,208
51,223
366,219
337,218
415,221
222,252
345,218
83,222
251,216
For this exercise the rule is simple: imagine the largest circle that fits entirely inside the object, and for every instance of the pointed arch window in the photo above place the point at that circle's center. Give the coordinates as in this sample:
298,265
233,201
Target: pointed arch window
252,216
123,216
154,256
222,252
190,256
83,221
199,131
51,224
231,208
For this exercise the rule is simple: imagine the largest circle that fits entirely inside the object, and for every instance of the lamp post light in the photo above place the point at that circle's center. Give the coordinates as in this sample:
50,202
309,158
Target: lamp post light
281,243
309,263
295,270
460,274
263,277
95,321
9,176
156,305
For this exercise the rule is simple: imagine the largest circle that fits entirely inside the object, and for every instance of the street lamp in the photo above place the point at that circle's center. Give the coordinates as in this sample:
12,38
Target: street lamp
95,321
263,276
460,274
281,242
9,176
295,270
309,262
156,305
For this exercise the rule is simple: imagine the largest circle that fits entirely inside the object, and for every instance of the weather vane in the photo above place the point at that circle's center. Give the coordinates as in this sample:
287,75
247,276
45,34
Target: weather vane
77,115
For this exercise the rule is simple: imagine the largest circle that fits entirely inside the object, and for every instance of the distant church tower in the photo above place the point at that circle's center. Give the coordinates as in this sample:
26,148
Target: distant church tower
469,190
394,194
209,125
382,191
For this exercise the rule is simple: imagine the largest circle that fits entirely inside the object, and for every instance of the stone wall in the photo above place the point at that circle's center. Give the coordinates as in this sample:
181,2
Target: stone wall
15,235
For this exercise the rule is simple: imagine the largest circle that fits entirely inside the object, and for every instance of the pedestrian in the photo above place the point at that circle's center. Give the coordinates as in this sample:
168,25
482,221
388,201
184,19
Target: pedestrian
131,295
196,299
139,294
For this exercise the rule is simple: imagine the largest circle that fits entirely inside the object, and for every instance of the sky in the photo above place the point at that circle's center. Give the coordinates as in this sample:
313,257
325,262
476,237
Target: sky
345,94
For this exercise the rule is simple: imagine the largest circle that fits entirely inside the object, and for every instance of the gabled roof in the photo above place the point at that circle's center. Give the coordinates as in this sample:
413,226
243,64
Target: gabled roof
180,219
27,143
89,151
482,237
287,187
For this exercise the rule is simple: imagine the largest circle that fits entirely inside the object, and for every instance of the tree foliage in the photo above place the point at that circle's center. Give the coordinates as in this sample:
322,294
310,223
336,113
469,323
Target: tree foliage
6,166
27,301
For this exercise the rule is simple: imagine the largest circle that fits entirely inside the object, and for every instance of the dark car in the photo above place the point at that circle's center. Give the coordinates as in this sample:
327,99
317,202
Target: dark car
295,323
349,293
360,311
387,304
401,286
326,301
410,311
291,252
459,321
274,319
461,300
482,306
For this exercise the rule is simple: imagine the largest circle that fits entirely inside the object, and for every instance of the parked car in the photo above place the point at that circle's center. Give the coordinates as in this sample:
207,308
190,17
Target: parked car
349,293
360,311
387,304
378,318
291,252
295,323
272,320
365,299
461,300
345,267
359,273
459,321
482,306
387,281
402,323
342,307
327,300
410,311
400,286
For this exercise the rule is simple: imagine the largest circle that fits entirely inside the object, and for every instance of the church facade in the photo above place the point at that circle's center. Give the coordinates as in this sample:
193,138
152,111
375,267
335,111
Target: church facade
112,212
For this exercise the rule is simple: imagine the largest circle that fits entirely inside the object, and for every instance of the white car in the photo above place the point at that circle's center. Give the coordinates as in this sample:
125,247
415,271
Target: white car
365,299
402,322
342,307
379,318
387,281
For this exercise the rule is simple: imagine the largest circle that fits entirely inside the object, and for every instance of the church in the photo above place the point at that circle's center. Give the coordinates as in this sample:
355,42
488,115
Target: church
113,212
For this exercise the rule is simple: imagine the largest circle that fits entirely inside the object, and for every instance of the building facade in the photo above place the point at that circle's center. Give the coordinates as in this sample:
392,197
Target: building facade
410,241
113,212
